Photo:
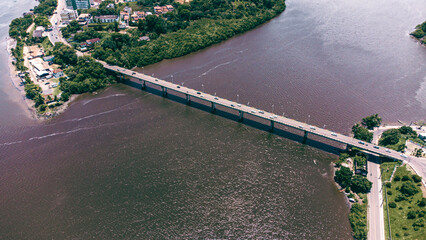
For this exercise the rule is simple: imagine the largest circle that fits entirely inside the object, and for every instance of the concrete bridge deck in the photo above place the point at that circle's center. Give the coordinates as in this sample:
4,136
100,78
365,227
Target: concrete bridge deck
244,109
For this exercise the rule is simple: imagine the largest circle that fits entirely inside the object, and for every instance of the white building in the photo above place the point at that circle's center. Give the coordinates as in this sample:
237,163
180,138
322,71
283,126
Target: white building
106,18
68,15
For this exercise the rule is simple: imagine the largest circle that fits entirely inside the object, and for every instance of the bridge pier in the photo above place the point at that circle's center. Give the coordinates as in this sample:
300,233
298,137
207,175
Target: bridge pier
164,89
305,137
241,116
272,126
188,99
143,85
213,109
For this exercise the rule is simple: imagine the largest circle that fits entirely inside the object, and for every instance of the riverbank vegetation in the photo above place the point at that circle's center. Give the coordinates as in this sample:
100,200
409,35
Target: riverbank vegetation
361,130
358,220
396,138
406,205
420,32
356,186
188,28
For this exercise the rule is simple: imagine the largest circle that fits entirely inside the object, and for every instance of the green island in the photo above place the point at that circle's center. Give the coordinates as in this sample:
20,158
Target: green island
404,202
128,41
420,32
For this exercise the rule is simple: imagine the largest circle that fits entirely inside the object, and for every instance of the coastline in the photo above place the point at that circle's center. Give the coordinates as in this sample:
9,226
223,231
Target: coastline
26,102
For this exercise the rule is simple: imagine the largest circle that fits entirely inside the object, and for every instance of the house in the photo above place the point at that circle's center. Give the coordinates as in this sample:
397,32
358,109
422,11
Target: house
169,7
144,38
68,15
92,41
83,18
107,18
138,15
57,73
38,33
158,9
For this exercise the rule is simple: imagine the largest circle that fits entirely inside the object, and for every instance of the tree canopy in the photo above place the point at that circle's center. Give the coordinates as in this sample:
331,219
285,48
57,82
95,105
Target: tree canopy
360,184
64,55
372,121
343,176
390,137
362,133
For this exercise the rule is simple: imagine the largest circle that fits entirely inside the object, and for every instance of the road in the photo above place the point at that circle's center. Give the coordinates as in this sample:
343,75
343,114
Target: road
55,35
376,227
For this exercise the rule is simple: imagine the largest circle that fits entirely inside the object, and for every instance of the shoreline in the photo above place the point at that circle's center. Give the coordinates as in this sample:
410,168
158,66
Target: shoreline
27,103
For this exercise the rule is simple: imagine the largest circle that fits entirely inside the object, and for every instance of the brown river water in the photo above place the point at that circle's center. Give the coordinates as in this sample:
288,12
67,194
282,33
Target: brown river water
129,164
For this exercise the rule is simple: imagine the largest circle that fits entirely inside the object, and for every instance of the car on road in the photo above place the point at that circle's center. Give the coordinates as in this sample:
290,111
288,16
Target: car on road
361,142
178,86
232,105
216,98
275,116
312,127
239,105
403,155
198,93
351,200
387,150
334,134
261,112
252,111
133,73
376,147
300,126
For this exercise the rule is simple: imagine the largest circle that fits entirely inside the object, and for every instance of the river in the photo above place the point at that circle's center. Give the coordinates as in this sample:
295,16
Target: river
129,164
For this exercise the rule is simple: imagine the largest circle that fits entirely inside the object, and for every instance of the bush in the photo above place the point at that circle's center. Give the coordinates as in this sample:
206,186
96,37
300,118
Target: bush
358,220
419,223
388,185
396,178
409,189
406,178
422,202
360,184
390,192
411,215
392,205
400,198
416,178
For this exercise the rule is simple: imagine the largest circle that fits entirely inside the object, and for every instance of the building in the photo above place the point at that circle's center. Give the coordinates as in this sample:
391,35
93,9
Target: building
106,18
49,58
163,9
92,41
57,73
68,15
138,15
78,4
83,18
111,5
144,38
38,32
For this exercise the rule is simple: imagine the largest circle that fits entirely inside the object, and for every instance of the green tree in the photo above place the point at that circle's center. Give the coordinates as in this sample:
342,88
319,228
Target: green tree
408,189
418,152
360,160
64,55
360,184
372,121
390,137
343,176
362,133
406,130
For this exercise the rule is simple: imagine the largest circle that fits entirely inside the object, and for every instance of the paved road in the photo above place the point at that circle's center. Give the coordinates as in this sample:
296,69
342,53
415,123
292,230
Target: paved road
261,114
376,227
55,35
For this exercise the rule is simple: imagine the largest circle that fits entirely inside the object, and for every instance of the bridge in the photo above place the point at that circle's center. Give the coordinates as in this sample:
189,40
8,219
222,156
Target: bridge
244,109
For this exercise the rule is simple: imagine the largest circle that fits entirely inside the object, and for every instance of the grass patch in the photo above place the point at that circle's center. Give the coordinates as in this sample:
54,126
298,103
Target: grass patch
386,169
46,44
407,218
358,220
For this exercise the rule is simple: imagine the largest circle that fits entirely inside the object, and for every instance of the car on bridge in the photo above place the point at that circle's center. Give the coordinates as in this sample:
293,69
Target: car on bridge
334,134
361,142
376,147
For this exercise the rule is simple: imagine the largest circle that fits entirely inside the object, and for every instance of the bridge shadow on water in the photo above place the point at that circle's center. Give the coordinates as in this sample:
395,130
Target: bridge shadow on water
252,121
